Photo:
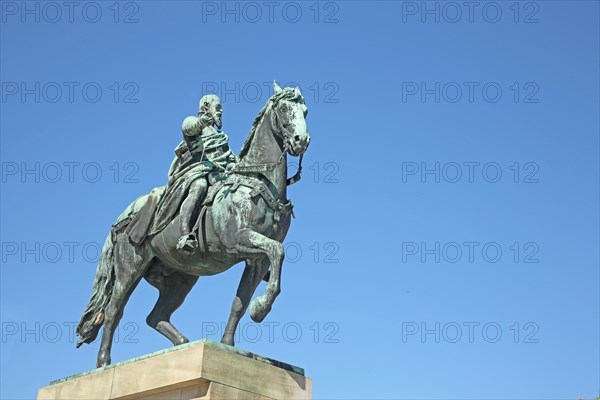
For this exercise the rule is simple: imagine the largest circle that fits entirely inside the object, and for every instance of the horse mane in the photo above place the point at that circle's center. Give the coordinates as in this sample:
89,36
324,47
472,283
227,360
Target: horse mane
290,94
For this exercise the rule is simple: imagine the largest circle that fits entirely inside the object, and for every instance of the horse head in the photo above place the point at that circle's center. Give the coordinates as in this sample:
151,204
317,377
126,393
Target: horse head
285,114
289,119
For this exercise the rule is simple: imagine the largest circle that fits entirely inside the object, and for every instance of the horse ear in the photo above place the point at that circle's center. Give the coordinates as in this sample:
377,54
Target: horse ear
276,88
297,91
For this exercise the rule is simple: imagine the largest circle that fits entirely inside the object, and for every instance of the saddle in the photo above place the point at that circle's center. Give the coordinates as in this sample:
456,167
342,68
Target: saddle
140,223
260,189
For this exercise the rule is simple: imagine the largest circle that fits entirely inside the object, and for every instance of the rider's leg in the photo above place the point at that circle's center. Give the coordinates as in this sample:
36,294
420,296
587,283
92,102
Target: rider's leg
196,193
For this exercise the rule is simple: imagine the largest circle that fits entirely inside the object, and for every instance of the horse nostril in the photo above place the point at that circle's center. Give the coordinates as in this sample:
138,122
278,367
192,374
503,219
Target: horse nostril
297,138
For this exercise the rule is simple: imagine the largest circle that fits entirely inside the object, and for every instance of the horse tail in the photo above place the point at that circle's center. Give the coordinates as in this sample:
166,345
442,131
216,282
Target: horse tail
93,315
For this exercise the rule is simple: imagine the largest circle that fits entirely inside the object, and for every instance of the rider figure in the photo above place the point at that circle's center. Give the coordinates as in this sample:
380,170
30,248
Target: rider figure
203,150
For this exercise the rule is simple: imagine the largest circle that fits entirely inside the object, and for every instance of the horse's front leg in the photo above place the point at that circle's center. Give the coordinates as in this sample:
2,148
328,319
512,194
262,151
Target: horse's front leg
253,273
249,240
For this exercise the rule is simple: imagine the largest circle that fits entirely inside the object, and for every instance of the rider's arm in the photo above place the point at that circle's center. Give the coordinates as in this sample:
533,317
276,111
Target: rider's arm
191,126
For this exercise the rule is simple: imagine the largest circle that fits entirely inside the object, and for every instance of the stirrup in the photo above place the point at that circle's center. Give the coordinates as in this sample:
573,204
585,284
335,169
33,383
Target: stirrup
188,244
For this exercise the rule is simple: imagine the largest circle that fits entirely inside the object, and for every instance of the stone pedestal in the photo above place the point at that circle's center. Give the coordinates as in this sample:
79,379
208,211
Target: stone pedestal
204,369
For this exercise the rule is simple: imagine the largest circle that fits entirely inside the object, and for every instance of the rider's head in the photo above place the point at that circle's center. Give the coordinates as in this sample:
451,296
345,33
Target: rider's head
211,104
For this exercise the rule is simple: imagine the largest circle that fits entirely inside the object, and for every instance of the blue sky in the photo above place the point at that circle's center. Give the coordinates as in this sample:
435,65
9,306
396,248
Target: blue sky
446,239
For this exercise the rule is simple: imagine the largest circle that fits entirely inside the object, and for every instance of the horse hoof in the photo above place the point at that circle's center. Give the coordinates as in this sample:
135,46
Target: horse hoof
258,310
182,340
228,341
103,361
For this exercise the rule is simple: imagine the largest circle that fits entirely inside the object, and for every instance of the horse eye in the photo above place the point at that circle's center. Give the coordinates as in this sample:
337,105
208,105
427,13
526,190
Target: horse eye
284,108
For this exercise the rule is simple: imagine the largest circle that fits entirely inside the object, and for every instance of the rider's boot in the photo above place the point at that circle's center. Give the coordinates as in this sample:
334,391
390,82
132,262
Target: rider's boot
188,242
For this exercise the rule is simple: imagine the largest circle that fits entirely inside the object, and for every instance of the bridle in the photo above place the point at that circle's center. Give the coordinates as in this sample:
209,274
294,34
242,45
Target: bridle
284,135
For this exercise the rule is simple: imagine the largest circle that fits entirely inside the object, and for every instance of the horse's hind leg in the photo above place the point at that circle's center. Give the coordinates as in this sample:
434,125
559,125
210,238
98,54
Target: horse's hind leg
253,273
129,268
173,289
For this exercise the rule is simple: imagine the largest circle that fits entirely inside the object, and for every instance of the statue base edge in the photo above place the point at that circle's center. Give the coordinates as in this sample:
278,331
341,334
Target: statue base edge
203,369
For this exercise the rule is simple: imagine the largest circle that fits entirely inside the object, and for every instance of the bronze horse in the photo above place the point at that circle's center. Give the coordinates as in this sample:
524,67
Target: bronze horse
247,220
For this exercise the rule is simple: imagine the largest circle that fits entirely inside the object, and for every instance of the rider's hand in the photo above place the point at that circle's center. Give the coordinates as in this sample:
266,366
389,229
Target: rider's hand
205,120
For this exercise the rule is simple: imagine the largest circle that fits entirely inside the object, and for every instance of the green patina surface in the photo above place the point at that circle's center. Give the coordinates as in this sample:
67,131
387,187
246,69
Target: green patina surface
248,224
210,342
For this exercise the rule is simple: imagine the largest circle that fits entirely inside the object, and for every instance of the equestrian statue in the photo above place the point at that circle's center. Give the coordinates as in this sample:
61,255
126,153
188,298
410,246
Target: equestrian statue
217,210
